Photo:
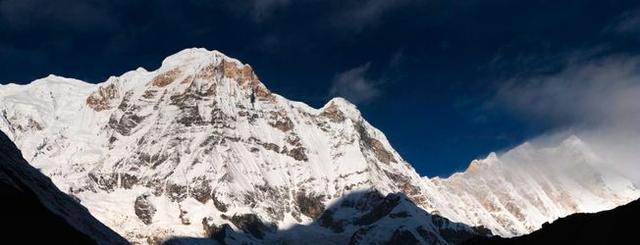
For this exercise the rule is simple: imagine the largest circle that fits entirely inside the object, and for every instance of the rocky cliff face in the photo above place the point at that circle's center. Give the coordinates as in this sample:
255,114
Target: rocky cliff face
31,203
202,138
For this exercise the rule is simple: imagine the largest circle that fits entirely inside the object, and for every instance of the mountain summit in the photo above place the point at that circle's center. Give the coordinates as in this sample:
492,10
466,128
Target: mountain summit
201,142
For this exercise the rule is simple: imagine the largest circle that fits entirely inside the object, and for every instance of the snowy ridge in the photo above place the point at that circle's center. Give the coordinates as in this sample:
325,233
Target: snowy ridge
154,154
518,191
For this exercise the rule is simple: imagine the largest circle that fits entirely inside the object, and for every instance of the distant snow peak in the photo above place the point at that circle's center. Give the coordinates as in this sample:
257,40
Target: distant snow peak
574,142
480,164
516,192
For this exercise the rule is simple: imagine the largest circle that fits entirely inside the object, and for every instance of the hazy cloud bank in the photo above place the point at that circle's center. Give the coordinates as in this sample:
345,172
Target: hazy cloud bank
598,100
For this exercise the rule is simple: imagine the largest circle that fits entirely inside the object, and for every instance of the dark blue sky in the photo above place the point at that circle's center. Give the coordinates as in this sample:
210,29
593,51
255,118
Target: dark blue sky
427,73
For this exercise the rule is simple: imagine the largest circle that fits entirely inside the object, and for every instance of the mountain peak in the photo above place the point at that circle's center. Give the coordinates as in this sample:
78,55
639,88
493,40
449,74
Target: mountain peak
196,72
338,108
485,163
207,65
55,79
197,56
574,141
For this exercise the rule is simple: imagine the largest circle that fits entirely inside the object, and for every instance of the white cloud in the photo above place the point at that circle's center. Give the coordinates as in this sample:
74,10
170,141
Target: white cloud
355,86
597,99
585,94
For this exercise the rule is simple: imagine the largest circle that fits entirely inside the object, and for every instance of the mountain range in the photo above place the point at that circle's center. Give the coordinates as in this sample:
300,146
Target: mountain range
200,147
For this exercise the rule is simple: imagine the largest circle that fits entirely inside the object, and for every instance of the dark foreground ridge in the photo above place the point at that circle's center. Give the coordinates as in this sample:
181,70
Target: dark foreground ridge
35,211
616,226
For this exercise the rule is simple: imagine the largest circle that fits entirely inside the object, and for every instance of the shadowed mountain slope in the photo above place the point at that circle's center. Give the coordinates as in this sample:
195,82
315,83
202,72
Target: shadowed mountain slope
358,218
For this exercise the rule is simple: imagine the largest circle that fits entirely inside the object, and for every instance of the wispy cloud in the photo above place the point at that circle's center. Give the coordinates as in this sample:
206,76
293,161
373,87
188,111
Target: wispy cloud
596,99
68,15
357,15
355,86
349,15
627,23
397,57
263,9
590,93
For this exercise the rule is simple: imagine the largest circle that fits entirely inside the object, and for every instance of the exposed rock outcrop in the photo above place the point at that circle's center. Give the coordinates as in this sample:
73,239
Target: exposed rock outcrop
144,208
105,98
251,224
310,205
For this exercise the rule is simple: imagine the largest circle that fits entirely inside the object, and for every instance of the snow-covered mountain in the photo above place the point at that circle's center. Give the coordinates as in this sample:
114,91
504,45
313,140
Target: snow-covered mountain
201,140
153,154
517,192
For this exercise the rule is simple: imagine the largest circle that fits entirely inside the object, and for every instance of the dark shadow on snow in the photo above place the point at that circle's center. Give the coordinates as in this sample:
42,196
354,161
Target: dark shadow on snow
357,218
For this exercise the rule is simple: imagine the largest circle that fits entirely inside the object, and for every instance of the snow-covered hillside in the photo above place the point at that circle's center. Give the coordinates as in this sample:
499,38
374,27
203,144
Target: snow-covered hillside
200,140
